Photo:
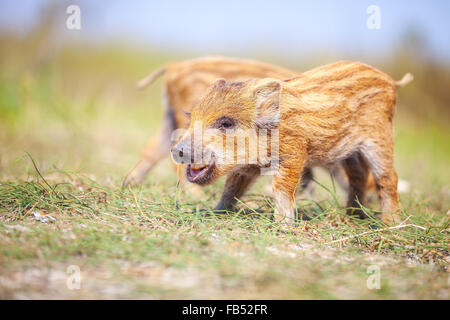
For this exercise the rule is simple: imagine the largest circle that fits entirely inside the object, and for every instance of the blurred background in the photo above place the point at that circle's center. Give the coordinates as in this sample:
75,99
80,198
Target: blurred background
68,96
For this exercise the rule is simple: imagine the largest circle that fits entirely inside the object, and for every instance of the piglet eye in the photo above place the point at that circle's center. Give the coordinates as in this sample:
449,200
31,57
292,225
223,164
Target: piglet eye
225,123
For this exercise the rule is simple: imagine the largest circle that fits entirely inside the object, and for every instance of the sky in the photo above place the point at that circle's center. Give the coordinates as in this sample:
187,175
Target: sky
285,27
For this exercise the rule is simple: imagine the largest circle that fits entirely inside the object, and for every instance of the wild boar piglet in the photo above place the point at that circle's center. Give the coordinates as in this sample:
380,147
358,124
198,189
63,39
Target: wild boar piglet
338,114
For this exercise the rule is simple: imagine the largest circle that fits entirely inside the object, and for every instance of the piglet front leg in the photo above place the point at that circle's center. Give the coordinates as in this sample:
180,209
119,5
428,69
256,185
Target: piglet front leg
284,185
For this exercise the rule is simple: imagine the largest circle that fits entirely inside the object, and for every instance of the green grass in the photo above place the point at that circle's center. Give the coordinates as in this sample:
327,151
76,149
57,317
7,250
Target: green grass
82,123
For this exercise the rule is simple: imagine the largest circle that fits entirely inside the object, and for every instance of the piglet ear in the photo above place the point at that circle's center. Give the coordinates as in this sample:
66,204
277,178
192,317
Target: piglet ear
267,95
220,82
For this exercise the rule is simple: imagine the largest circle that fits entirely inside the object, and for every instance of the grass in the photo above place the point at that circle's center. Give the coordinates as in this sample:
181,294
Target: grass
72,126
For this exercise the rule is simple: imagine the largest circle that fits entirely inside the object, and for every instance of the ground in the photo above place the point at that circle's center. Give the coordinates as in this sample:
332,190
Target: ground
69,134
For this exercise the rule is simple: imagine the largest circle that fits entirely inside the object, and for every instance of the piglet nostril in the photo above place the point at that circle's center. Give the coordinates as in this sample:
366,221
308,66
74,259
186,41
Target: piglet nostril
180,153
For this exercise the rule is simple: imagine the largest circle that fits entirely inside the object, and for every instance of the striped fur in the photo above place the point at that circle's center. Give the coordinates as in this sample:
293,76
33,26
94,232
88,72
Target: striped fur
184,84
338,114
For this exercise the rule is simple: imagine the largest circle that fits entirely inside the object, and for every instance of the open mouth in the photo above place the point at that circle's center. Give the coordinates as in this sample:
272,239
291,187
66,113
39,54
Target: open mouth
200,174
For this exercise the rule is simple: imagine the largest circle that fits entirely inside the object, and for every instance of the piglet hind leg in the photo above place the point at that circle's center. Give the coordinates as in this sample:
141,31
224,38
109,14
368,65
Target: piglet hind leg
386,185
380,157
357,171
